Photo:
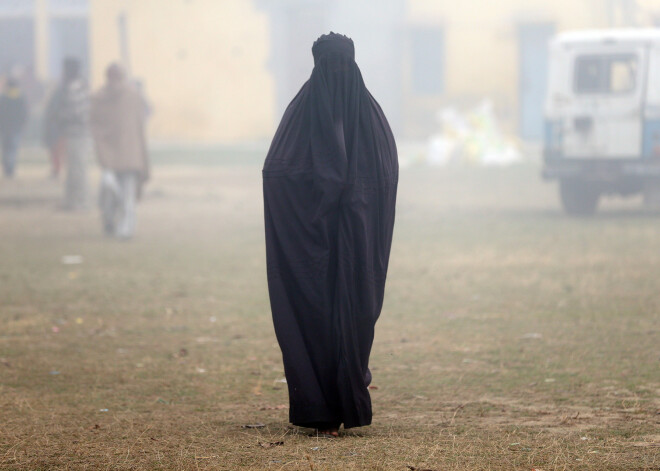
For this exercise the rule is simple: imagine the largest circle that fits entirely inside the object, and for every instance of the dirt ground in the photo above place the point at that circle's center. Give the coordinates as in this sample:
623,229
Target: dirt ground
512,337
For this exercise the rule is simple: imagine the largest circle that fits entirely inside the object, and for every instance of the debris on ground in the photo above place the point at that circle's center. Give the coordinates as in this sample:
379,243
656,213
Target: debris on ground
270,444
181,353
532,335
278,407
72,259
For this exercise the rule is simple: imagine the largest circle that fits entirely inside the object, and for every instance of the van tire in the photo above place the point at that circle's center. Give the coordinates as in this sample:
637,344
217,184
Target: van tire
578,198
651,193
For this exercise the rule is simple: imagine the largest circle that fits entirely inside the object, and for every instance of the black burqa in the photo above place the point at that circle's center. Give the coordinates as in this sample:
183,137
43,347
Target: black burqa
329,182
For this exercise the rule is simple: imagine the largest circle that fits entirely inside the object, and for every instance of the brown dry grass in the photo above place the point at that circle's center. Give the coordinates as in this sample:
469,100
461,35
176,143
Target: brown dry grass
171,333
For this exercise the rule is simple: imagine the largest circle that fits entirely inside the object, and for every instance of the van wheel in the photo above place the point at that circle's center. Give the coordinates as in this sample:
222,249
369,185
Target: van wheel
651,193
578,198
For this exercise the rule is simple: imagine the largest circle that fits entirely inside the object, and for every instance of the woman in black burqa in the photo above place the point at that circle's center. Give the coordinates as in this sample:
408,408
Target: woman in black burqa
329,182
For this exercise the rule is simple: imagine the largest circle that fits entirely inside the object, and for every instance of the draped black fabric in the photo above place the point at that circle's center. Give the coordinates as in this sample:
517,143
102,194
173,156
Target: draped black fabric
329,183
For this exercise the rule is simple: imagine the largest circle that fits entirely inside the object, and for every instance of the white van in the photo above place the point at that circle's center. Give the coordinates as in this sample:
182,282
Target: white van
602,112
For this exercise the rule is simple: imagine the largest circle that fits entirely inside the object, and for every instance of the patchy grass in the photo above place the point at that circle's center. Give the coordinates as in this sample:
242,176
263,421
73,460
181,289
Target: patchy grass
512,337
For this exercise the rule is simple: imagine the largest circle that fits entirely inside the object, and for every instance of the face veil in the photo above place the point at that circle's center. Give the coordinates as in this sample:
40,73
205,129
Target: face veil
329,183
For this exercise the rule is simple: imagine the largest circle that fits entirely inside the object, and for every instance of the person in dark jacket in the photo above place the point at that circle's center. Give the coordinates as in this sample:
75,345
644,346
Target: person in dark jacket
66,127
329,183
13,116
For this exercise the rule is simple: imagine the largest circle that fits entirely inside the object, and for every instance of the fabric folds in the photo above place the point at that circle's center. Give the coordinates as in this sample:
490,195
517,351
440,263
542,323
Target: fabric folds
329,182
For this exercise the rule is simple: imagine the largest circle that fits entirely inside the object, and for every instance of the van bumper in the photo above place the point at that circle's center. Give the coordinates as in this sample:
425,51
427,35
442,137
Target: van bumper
599,169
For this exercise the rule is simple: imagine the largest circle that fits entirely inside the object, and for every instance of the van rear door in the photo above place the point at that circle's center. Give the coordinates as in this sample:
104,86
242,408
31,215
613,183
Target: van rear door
604,117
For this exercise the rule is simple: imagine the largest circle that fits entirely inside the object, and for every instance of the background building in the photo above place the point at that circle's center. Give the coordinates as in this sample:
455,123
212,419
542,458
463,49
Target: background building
418,56
223,70
498,50
203,63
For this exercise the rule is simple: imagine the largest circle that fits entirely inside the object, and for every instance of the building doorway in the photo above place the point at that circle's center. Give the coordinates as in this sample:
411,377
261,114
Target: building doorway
17,36
68,34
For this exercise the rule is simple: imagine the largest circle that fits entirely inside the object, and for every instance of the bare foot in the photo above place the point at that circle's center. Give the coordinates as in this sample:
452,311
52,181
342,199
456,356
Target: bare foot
329,433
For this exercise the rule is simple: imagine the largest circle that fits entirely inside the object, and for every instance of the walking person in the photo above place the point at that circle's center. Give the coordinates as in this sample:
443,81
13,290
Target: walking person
329,182
54,142
13,117
118,118
66,132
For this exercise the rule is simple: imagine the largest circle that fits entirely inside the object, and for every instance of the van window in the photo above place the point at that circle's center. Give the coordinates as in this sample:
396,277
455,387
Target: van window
605,74
623,73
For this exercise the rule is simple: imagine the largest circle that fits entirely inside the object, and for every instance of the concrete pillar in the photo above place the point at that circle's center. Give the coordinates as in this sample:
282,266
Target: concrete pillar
41,62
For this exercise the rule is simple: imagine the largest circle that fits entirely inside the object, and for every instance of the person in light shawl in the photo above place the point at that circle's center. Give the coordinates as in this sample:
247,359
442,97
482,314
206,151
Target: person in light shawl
118,119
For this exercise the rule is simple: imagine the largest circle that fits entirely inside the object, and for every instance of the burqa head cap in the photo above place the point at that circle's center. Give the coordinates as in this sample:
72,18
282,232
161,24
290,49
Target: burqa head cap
335,44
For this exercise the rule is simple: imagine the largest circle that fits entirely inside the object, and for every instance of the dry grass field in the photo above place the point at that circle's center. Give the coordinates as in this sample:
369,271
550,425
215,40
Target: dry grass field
512,338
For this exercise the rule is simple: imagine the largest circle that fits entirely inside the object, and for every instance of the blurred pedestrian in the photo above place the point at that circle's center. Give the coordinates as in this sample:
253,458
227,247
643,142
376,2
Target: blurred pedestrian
13,116
329,181
66,133
52,137
118,119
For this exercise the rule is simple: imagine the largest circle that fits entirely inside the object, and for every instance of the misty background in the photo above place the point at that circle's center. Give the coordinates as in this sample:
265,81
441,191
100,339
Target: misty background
223,71
512,336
